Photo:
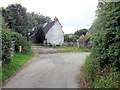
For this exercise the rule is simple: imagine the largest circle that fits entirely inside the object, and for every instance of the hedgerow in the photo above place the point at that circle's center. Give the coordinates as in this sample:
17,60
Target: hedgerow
21,41
106,46
7,38
6,45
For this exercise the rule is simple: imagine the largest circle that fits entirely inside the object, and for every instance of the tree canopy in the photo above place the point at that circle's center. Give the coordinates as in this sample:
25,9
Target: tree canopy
81,31
39,36
16,18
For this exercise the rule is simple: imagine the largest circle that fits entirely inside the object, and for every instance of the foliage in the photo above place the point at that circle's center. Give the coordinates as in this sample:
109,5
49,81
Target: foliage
109,81
16,18
6,44
81,31
21,41
75,36
89,67
40,18
0,34
31,21
36,19
18,60
106,35
20,21
106,46
39,36
70,38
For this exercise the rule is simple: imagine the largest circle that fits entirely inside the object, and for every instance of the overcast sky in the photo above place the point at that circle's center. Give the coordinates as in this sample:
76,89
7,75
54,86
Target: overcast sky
73,14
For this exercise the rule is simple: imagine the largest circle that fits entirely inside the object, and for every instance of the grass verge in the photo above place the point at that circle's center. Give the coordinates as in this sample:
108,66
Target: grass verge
88,67
73,49
104,79
18,60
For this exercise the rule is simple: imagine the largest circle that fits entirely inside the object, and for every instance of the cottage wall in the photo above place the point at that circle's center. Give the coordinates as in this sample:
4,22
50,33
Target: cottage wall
55,35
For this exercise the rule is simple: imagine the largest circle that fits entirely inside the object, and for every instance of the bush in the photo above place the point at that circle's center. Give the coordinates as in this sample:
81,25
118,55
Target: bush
6,45
109,81
27,47
107,78
21,41
106,45
106,35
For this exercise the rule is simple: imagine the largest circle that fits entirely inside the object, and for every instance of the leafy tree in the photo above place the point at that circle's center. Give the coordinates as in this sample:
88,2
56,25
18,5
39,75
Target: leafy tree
31,20
41,19
16,18
80,32
70,38
20,21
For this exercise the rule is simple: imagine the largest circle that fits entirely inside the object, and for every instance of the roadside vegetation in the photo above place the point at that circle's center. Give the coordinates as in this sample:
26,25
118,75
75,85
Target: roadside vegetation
102,67
18,60
74,36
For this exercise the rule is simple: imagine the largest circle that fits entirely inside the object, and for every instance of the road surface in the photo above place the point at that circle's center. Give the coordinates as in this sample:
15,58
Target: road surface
59,70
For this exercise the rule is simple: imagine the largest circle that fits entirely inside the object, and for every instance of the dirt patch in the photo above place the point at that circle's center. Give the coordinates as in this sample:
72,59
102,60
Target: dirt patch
47,50
82,80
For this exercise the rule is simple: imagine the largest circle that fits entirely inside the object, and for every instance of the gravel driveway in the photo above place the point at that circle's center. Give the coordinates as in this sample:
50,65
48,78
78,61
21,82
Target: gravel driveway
58,70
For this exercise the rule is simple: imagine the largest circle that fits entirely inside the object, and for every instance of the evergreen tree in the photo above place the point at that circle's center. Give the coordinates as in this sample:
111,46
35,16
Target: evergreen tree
39,36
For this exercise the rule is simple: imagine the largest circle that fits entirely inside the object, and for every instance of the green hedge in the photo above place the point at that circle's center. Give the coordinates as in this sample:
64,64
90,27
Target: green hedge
21,41
101,79
6,45
106,35
105,47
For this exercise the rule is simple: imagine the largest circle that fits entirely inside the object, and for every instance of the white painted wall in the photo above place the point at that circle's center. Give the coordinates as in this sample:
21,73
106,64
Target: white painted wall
55,35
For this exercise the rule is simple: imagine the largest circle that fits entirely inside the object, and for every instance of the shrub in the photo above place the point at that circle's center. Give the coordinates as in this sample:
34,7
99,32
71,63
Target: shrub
21,41
106,35
106,44
109,81
27,47
6,45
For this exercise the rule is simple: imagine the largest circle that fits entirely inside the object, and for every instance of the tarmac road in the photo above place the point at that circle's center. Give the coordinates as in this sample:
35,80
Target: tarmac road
57,70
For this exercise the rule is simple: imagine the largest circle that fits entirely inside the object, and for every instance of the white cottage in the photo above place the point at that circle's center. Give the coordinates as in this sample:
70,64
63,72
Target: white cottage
54,34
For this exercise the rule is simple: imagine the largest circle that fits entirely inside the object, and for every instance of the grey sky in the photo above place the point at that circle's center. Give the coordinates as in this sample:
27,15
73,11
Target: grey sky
73,14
